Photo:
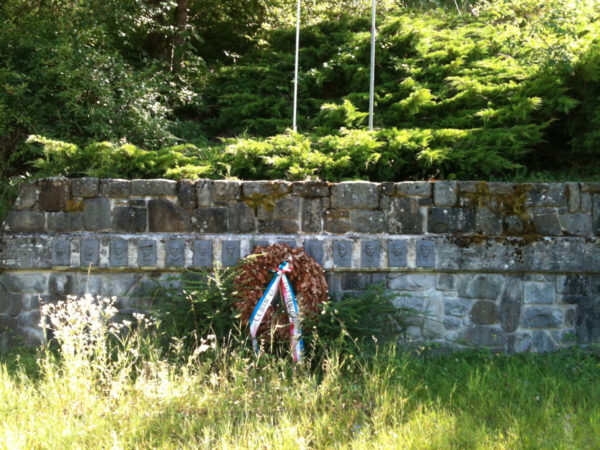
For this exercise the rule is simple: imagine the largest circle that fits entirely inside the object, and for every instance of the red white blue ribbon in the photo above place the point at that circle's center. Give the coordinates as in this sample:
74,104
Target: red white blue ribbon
279,281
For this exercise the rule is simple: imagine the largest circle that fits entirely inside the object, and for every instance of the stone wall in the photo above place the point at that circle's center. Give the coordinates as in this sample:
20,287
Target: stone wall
514,267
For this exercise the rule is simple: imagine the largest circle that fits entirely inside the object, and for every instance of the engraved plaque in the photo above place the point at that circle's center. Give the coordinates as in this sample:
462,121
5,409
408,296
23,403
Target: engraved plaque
89,252
369,254
203,253
61,252
263,244
175,253
397,254
314,248
425,254
118,252
342,253
230,253
147,253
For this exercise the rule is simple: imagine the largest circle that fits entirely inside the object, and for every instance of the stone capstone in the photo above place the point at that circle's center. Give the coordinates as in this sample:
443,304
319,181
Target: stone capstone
85,187
27,198
355,195
115,188
311,189
445,193
153,188
187,196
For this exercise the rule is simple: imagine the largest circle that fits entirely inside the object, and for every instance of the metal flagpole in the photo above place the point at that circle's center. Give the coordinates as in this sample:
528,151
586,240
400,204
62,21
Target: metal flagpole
372,87
296,66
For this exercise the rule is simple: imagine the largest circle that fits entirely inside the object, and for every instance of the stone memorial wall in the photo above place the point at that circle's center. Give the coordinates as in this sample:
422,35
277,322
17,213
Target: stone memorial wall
513,267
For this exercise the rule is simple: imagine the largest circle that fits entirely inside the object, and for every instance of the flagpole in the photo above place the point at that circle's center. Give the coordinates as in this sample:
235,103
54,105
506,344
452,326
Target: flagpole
372,77
296,67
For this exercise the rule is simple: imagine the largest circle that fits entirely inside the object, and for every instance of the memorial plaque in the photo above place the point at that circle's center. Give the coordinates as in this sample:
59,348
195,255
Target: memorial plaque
342,253
230,253
147,253
175,253
314,248
118,256
61,252
425,254
203,253
397,253
89,253
369,254
263,244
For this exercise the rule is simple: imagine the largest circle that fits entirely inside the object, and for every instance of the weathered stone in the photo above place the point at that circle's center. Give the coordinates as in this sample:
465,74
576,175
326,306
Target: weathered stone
433,320
586,203
54,194
543,317
312,216
451,220
538,292
367,221
573,284
519,343
29,318
152,188
175,253
452,323
587,321
241,218
203,253
425,253
64,221
115,188
546,194
576,224
355,195
510,305
513,225
404,216
166,216
126,219
484,313
311,189
89,253
445,193
210,220
379,278
397,253
278,226
337,221
445,282
24,283
25,221
187,196
457,306
204,191
96,214
481,286
342,253
573,197
266,189
570,317
85,187
590,186
118,253
284,208
546,222
484,337
412,282
353,281
230,253
488,222
224,191
314,248
146,254
369,253
61,252
542,342
27,198
596,214
413,188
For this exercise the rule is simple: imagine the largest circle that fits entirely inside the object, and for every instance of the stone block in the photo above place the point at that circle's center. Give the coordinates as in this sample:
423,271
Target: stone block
451,220
587,321
166,216
241,218
573,284
175,253
337,221
488,222
596,214
115,188
85,187
576,224
573,197
285,226
89,253
342,253
367,221
481,286
355,195
54,194
546,194
96,214
230,253
519,343
312,215
397,253
586,203
311,189
369,253
210,220
433,317
204,190
64,221
546,222
510,305
412,282
404,216
513,225
118,253
484,313
452,323
146,253
445,282
153,188
266,189
445,193
187,196
425,253
484,337
24,283
27,198
314,248
539,292
203,253
353,281
225,191
413,188
61,252
25,221
127,219
457,306
543,317
542,342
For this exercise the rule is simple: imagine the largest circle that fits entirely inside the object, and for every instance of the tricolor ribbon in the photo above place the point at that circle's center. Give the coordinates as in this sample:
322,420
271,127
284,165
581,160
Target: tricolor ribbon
279,280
